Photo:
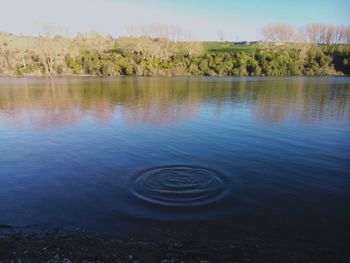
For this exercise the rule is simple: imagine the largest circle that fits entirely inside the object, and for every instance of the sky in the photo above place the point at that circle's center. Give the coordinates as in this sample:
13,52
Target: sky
237,19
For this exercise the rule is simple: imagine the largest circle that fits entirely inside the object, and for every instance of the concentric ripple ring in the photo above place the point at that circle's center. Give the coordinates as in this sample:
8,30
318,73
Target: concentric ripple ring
181,186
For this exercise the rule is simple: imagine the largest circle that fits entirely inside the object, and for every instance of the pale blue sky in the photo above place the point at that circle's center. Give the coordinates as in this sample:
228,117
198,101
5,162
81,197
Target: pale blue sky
239,20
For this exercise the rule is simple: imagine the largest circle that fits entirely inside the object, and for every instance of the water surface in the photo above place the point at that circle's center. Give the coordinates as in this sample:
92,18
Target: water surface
156,157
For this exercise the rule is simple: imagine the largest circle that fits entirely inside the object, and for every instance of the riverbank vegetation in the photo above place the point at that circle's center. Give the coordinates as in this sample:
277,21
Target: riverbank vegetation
165,51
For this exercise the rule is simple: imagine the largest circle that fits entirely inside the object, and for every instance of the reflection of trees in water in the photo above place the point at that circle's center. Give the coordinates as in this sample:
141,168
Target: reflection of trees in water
54,103
48,103
306,100
159,102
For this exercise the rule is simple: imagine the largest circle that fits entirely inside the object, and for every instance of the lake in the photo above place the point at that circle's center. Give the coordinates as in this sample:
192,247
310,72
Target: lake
207,158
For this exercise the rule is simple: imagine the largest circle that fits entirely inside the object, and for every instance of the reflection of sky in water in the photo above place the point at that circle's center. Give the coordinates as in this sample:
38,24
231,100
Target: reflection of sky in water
179,116
281,145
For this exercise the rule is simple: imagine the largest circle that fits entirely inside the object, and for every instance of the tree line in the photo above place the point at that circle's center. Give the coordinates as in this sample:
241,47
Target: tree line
170,51
316,33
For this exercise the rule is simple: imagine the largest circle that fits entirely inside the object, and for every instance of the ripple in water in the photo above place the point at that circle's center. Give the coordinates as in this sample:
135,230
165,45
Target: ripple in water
180,186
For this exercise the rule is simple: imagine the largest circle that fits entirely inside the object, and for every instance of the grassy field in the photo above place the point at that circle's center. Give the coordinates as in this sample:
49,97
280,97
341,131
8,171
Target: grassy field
211,46
229,47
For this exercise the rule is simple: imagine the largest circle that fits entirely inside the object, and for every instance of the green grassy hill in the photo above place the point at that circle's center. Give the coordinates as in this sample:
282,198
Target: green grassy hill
226,47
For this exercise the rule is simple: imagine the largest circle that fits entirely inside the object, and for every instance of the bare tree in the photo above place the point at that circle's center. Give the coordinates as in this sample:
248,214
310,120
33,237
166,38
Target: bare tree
192,46
340,32
51,47
147,47
347,35
221,35
328,34
98,42
173,33
278,33
5,55
313,33
325,33
159,41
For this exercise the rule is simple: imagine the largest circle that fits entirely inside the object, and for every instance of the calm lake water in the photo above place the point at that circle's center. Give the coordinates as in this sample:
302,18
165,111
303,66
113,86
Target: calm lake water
212,158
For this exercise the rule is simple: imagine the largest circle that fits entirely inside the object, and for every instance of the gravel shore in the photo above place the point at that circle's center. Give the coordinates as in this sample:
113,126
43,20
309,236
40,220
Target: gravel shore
55,246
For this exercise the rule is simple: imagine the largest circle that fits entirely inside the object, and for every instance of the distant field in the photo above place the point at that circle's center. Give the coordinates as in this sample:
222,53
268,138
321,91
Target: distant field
226,47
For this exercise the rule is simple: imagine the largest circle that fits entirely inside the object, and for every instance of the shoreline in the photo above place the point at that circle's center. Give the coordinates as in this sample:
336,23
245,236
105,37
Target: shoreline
169,77
56,246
